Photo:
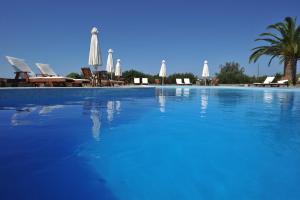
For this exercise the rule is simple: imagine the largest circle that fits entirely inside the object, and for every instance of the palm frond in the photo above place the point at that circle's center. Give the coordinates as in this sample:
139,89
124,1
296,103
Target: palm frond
284,41
271,59
271,35
271,41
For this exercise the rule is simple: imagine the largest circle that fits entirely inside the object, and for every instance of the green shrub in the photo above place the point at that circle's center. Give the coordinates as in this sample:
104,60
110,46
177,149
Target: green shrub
74,75
232,73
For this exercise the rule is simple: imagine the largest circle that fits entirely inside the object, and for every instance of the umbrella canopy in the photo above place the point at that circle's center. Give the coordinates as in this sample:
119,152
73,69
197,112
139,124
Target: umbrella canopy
95,53
118,71
110,62
205,72
163,69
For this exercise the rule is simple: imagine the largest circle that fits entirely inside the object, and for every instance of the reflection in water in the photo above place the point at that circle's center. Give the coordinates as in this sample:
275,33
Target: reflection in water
186,92
284,137
102,112
268,97
49,109
113,107
204,102
118,106
110,110
96,118
18,118
178,92
286,100
162,103
287,106
162,100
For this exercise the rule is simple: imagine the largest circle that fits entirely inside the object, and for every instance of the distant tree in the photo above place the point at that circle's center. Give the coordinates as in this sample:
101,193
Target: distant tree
284,44
232,73
74,75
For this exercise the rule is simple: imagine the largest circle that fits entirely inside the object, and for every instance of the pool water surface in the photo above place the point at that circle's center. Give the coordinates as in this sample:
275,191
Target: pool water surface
150,143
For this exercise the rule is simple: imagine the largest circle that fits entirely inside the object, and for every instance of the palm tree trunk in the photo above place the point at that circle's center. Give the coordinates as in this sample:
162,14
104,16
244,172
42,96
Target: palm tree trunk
290,69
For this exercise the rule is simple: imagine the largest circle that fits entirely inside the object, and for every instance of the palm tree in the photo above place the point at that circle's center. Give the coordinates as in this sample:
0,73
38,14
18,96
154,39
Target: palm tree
284,44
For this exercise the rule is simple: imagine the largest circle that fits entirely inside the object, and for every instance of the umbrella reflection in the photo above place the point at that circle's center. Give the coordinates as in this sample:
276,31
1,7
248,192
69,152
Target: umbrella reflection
118,106
99,111
162,103
110,110
96,118
161,100
204,103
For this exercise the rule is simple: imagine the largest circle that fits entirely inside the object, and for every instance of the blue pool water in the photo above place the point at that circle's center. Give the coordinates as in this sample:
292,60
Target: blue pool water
152,143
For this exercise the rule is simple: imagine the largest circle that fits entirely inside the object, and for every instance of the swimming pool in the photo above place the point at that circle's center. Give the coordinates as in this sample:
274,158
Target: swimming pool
151,143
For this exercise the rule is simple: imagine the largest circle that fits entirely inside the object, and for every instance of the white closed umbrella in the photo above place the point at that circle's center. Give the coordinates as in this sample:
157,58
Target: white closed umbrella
118,71
205,71
110,62
163,71
95,58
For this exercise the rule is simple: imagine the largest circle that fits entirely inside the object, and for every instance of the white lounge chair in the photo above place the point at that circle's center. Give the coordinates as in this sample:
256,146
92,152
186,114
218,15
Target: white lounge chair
136,81
179,81
268,81
23,71
280,83
145,81
187,81
47,71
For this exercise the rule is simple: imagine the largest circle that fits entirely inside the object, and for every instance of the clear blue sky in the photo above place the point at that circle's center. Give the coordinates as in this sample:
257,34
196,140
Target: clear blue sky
142,33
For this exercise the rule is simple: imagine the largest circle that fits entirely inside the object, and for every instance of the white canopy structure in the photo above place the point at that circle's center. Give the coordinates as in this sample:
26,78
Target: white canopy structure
118,71
205,71
95,58
110,62
163,69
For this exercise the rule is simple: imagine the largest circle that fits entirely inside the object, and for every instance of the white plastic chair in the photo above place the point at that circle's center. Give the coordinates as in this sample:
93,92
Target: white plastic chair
187,81
136,81
179,81
145,81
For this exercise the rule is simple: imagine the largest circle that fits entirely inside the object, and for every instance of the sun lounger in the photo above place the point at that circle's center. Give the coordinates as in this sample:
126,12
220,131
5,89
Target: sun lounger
268,81
179,81
157,81
98,79
136,81
47,71
23,71
117,82
187,81
145,81
280,83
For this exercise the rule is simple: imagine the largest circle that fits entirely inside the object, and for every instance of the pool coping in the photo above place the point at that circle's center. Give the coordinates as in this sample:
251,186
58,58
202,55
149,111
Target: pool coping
162,87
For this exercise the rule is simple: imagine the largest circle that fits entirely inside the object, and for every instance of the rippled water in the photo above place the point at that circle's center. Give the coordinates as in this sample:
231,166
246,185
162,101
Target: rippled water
163,143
